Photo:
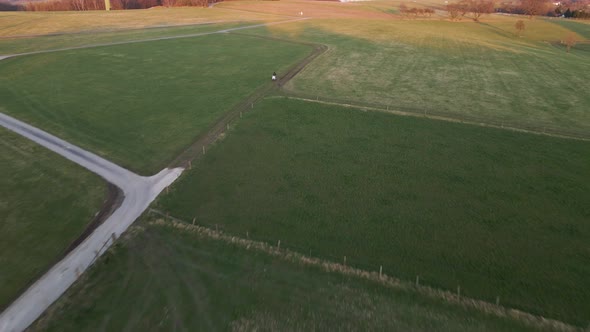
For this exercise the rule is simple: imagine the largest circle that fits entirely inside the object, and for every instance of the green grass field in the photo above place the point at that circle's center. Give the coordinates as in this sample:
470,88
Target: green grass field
140,105
45,204
15,24
498,213
52,42
165,279
462,69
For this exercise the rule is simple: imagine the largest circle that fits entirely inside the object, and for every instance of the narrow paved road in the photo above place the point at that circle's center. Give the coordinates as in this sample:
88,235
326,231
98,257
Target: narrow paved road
139,192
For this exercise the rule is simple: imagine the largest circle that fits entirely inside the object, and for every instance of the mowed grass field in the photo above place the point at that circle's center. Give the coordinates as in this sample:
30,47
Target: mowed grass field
164,279
483,72
52,42
495,212
45,204
139,105
18,24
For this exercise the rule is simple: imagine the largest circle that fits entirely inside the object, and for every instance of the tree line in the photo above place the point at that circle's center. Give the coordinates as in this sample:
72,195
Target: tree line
567,8
81,5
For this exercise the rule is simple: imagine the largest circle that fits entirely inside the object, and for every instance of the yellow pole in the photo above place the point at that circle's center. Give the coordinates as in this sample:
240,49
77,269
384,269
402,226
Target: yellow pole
107,5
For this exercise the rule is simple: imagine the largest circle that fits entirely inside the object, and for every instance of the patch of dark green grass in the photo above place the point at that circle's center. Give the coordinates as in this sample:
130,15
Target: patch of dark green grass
139,105
582,29
45,204
163,279
497,212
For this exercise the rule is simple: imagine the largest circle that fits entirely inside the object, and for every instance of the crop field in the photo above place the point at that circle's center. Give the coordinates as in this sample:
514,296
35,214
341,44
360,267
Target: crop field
45,204
140,105
463,70
498,213
162,278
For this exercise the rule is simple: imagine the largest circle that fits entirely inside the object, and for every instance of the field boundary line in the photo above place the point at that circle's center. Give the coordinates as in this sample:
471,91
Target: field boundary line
374,276
360,107
222,31
222,125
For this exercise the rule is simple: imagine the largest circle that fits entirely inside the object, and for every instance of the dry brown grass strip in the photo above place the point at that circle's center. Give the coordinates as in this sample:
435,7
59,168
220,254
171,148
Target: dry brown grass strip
383,279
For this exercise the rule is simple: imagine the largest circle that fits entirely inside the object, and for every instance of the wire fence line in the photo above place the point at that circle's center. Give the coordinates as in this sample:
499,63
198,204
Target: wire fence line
538,127
341,264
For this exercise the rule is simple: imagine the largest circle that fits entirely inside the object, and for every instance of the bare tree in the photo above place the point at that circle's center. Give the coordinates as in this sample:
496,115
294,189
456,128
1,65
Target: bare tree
403,9
479,7
534,7
570,41
454,11
519,27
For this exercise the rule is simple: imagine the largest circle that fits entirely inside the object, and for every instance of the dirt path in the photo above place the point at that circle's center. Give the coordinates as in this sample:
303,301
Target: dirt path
218,129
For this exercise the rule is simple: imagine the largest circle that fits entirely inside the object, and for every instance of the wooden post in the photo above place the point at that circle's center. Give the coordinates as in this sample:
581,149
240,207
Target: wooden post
344,260
380,271
190,165
458,291
247,235
417,281
279,245
497,300
203,149
107,5
194,220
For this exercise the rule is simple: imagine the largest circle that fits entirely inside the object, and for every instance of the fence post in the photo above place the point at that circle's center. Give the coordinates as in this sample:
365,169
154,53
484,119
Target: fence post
458,291
203,149
344,260
417,281
194,220
279,245
247,235
190,164
380,271
497,300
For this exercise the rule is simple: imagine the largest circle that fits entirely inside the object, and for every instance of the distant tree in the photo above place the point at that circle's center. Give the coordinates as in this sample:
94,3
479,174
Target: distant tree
534,7
570,41
519,27
479,7
403,9
568,13
457,10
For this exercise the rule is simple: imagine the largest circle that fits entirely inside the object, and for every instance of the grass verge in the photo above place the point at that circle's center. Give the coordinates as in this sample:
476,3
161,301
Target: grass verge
161,278
45,204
